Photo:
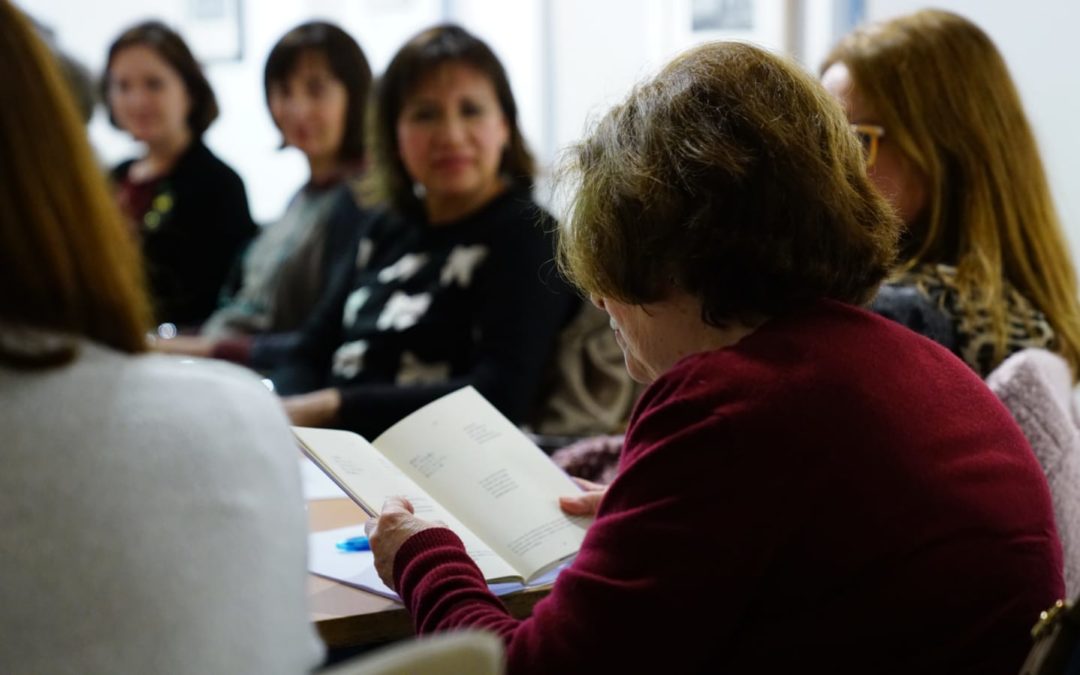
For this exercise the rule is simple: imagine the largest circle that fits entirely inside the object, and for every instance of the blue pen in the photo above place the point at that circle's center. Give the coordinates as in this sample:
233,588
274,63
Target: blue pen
353,544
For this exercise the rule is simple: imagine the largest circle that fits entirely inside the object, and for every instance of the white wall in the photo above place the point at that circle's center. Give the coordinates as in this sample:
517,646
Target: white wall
568,60
244,135
1039,42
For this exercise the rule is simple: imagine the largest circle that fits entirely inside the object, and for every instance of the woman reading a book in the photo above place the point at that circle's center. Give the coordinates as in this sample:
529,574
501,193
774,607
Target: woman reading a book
828,489
453,283
984,267
151,508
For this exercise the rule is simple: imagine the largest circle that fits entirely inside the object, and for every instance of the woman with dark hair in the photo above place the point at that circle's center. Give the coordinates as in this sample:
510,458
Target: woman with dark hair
317,82
805,486
451,285
153,520
188,208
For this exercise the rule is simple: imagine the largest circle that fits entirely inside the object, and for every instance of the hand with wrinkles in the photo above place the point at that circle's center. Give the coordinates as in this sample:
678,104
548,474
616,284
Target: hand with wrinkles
389,531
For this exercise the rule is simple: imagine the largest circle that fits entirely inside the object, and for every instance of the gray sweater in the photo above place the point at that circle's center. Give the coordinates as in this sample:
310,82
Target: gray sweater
152,521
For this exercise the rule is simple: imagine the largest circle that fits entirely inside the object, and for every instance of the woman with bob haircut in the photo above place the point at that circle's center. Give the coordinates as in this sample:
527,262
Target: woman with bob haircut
185,205
954,152
453,284
152,513
317,82
805,486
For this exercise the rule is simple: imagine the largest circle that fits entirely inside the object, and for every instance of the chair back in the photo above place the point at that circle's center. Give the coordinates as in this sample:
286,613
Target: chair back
588,391
1036,386
471,652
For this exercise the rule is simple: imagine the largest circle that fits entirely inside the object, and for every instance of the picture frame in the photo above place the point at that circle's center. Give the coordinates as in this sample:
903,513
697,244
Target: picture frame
767,23
214,29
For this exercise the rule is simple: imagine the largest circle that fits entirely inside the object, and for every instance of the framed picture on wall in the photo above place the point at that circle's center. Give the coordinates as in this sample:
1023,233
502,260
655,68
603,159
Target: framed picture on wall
768,23
213,28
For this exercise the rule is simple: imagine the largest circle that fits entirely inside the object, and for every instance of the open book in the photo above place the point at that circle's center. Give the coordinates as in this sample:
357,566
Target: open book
459,461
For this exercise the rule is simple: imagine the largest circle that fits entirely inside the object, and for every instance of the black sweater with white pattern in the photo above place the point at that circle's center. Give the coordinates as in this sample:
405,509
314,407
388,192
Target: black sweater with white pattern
429,309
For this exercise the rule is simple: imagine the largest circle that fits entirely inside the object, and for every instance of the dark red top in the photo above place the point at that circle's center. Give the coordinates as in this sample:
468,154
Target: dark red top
135,199
833,494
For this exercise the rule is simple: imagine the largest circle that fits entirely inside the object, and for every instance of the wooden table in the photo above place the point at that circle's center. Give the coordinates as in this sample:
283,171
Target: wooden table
348,617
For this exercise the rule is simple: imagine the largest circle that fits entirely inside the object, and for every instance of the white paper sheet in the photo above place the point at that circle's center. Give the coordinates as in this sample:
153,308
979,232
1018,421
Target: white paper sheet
357,568
316,484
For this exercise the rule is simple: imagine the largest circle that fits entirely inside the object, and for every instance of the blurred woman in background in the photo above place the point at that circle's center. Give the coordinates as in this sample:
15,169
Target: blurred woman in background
450,286
317,82
949,145
153,521
187,207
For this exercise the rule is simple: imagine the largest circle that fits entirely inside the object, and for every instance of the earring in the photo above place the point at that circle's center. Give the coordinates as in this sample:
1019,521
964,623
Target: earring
419,191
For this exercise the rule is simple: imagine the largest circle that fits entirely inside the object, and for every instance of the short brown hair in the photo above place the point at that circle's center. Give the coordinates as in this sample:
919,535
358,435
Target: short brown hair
422,56
943,93
67,262
168,44
347,63
731,175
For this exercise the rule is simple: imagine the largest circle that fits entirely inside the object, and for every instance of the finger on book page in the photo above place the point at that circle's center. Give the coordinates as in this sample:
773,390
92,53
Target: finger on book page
397,504
584,504
588,485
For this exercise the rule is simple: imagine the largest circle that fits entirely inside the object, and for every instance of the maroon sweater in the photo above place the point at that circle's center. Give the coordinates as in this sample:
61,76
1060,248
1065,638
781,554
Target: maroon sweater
833,494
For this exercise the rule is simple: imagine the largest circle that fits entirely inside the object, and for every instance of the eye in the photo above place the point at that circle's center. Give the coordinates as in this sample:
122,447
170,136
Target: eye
869,136
155,84
470,109
422,113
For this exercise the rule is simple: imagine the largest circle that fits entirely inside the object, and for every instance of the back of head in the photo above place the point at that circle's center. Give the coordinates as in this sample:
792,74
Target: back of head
347,63
943,94
420,58
168,44
66,262
732,175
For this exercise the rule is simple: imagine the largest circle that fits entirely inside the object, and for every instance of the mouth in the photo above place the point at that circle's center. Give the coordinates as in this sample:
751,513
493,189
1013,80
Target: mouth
298,137
451,163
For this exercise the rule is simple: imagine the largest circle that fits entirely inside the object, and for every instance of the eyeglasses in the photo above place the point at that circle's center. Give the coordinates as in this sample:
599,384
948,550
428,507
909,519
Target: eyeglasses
869,135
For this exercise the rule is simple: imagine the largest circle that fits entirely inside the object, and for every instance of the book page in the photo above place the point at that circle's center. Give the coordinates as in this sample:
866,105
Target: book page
369,478
476,463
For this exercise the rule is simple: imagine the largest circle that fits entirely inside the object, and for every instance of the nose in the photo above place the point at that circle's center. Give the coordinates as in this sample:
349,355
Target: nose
452,129
138,96
291,106
294,107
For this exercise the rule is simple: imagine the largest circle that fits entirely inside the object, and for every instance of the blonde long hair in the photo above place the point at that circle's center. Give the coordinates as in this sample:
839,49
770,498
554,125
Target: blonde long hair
67,263
944,94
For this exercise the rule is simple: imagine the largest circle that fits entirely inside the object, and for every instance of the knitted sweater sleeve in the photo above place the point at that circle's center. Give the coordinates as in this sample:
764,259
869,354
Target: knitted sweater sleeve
653,554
